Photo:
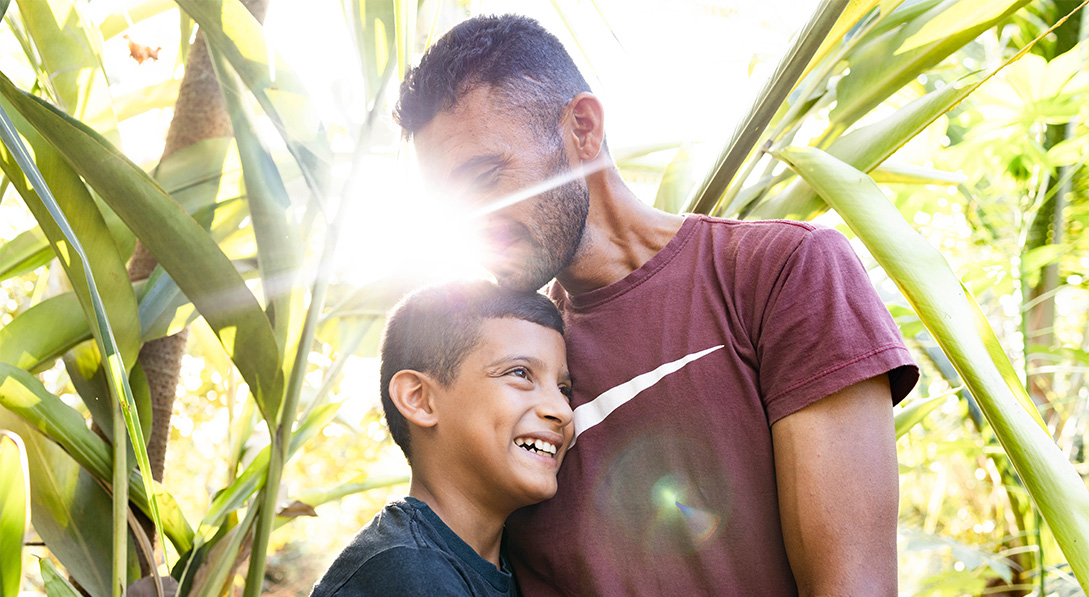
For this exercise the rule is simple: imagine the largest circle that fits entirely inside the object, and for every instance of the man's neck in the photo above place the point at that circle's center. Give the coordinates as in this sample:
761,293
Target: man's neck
474,523
622,233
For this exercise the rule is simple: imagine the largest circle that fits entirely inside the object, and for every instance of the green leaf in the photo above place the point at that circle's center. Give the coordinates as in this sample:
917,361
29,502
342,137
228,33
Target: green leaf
888,62
253,478
181,246
155,96
202,175
14,510
891,173
279,253
24,253
98,315
70,48
25,396
38,336
84,367
869,146
70,511
55,584
752,126
913,414
230,28
677,181
956,322
361,483
131,13
81,212
374,25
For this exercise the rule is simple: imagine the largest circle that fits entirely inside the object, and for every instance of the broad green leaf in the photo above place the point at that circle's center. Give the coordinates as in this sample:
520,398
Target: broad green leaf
38,336
253,478
849,19
210,578
361,483
181,246
279,252
230,28
771,98
155,96
867,147
89,227
131,13
24,253
14,510
912,414
70,510
960,328
889,172
882,66
202,175
84,367
70,48
405,21
677,181
70,252
373,23
164,309
56,585
25,396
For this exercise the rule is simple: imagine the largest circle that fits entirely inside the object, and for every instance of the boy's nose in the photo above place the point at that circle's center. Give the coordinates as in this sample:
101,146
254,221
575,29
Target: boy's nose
554,405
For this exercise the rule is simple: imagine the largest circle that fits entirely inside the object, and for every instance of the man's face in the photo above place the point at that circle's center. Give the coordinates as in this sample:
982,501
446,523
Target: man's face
504,422
485,152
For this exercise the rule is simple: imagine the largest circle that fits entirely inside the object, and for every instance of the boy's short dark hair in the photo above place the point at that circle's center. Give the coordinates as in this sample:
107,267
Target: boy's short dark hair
510,53
433,329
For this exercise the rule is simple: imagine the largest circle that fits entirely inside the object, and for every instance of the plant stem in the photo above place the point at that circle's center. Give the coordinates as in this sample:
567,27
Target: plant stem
281,438
120,503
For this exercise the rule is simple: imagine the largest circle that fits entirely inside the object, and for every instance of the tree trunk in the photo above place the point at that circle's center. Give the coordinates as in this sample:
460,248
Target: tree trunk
199,114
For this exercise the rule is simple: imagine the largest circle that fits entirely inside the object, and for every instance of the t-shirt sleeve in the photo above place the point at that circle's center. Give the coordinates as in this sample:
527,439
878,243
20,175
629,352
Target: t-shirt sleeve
824,328
405,572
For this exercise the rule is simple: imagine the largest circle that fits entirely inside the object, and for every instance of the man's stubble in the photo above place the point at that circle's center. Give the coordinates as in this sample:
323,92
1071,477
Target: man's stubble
556,229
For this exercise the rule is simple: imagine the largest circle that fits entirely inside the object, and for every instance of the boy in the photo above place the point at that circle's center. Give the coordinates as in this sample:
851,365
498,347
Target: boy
476,393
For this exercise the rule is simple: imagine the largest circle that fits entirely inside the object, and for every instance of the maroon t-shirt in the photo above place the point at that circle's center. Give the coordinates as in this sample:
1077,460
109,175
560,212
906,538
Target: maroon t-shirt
679,370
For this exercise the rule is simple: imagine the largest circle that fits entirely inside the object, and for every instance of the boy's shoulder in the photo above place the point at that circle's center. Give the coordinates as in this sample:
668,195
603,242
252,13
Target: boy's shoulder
403,550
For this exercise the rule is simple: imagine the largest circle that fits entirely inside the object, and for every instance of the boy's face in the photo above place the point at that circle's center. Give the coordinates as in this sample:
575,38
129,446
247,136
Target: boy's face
504,423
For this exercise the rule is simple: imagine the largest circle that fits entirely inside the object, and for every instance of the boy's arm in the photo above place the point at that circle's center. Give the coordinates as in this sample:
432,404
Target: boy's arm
835,463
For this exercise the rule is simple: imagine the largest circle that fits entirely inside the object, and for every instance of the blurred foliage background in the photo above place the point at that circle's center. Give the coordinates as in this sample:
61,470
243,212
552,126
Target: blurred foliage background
981,155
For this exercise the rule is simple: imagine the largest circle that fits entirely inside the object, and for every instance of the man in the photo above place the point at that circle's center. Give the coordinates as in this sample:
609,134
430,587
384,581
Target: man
733,381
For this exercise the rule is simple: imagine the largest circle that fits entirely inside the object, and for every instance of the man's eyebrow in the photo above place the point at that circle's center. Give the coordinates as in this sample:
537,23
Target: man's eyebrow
475,162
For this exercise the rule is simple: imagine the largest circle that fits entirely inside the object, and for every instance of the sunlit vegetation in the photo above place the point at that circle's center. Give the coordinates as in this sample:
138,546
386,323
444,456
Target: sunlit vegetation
280,248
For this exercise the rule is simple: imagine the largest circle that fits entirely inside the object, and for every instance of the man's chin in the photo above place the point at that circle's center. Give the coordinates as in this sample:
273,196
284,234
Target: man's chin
521,279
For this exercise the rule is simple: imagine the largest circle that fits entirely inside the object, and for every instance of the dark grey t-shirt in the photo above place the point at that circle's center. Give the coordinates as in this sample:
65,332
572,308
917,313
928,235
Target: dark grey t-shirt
407,550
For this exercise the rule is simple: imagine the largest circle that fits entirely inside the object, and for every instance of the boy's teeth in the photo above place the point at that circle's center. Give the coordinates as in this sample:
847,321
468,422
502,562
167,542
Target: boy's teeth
536,445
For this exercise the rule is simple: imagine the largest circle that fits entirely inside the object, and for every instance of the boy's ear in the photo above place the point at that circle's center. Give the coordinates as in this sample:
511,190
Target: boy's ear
411,392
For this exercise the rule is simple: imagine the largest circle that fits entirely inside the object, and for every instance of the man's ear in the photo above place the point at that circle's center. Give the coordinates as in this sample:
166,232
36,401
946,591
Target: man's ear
412,393
587,125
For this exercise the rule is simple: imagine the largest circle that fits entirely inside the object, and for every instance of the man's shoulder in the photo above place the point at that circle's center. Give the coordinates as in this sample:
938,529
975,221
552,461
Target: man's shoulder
773,231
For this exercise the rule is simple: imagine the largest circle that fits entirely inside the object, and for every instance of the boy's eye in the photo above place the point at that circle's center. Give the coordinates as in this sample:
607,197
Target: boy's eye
567,392
519,372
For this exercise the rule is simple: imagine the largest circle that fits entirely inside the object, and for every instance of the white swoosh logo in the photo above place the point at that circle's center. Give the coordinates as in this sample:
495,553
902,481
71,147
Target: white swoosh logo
595,411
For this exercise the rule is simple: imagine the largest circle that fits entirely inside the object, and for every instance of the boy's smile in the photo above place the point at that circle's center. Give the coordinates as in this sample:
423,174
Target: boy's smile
504,423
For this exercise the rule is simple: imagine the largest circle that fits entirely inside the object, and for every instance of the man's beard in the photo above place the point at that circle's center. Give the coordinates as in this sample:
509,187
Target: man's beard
555,231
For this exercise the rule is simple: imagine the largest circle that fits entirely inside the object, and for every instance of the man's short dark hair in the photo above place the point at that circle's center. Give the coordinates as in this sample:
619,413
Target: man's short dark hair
510,53
433,329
